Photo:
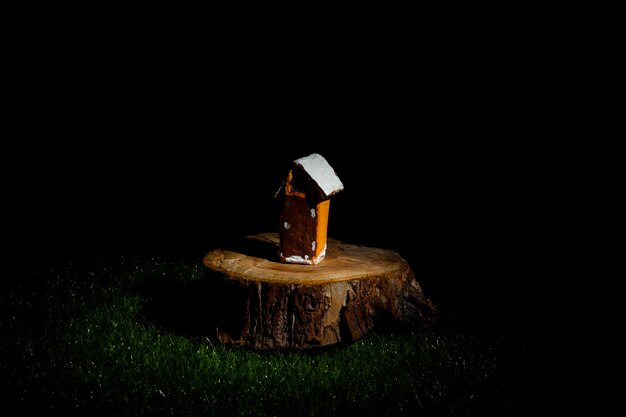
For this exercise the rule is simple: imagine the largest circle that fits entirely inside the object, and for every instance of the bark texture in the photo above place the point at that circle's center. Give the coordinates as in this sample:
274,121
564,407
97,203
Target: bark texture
266,304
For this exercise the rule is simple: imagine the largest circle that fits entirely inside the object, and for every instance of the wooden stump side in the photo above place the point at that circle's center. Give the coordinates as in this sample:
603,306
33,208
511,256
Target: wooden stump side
270,305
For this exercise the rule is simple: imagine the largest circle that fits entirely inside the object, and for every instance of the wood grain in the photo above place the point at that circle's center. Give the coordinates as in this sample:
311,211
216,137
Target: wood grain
278,305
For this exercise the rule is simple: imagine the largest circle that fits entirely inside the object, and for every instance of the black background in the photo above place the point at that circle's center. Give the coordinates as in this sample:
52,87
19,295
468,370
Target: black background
455,152
483,215
463,145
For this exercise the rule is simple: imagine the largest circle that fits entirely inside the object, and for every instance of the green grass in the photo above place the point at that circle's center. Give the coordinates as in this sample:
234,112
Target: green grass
75,340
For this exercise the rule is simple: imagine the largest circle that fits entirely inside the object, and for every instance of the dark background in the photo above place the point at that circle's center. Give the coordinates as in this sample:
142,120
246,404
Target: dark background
456,151
463,144
488,219
488,226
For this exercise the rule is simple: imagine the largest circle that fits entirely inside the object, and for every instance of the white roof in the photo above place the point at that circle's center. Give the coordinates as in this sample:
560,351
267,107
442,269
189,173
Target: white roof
322,173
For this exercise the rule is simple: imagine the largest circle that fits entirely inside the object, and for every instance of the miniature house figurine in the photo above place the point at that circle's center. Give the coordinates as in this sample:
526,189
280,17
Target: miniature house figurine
310,183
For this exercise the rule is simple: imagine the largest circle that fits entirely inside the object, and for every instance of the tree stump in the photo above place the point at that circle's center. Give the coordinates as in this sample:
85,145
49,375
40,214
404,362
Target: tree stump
266,304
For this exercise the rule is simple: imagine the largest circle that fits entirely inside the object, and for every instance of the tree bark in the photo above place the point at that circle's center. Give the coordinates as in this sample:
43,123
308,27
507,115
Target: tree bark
266,304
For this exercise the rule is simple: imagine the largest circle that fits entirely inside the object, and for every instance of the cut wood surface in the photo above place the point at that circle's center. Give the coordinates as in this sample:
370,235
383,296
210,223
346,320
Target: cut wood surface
267,304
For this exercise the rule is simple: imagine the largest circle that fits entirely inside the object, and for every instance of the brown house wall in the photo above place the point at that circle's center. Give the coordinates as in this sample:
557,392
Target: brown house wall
296,239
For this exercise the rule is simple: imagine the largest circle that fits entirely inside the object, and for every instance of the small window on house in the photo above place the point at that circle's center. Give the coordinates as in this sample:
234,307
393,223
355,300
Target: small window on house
299,184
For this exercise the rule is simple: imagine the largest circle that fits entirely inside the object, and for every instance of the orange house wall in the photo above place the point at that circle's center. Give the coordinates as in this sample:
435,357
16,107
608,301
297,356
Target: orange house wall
322,211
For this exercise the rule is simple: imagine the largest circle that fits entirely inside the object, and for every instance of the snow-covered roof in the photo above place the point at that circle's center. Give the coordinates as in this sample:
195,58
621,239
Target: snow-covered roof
322,173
